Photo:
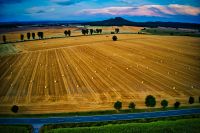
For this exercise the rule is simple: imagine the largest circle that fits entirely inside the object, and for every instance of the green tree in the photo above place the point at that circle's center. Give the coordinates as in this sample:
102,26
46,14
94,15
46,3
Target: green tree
33,36
69,32
176,105
191,100
150,101
65,32
39,35
131,105
4,38
91,31
14,108
97,31
100,31
114,38
42,35
22,37
83,31
164,103
118,105
28,35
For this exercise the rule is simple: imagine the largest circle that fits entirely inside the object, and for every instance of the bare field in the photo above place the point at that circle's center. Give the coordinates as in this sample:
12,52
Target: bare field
14,34
92,72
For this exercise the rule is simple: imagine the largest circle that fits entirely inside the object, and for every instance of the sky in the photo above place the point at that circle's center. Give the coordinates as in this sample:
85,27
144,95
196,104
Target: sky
92,10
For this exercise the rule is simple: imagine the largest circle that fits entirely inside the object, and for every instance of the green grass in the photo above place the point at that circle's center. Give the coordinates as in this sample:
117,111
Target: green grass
88,113
178,126
171,32
6,49
49,127
15,129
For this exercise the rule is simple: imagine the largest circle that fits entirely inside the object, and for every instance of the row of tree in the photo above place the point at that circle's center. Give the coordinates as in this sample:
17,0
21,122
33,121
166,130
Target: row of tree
91,31
40,36
150,101
66,32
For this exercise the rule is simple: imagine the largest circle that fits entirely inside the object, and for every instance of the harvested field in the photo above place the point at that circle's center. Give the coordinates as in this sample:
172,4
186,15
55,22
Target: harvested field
13,35
92,72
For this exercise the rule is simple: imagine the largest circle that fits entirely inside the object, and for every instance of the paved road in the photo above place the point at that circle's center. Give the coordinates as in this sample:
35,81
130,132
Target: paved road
38,122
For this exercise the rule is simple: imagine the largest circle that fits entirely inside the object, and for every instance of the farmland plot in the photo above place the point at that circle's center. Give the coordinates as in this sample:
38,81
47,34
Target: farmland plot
94,74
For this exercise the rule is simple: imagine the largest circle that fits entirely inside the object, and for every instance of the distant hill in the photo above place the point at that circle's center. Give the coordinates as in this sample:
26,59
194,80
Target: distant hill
118,21
36,23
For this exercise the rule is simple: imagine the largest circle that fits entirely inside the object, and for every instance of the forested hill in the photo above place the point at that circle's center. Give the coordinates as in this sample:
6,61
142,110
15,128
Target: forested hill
118,21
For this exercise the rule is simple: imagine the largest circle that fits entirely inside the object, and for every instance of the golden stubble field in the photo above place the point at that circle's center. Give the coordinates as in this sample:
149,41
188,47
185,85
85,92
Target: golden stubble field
92,72
13,34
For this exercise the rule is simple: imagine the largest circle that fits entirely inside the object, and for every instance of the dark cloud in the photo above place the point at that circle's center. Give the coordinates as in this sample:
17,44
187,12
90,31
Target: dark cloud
67,2
10,1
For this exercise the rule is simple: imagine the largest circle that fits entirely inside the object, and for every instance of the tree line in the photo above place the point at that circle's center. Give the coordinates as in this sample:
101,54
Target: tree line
91,31
66,33
28,35
150,101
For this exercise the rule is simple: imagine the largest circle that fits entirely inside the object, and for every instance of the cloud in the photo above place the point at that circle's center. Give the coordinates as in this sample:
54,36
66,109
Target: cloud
127,1
67,2
185,10
11,1
146,10
40,9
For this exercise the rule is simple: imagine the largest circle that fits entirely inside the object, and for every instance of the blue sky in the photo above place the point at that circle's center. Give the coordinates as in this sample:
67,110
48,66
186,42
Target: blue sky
90,10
